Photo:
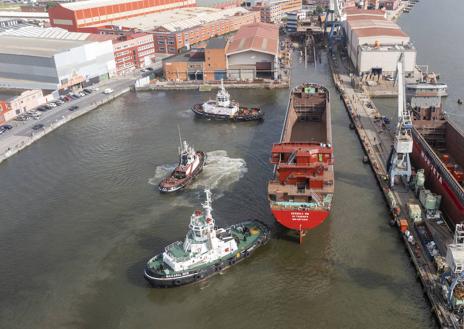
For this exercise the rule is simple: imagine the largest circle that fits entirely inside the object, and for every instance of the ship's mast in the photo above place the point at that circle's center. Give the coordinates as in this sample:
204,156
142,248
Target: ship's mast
207,206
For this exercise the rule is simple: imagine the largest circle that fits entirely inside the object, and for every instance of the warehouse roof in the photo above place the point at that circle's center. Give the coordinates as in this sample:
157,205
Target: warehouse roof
179,19
261,37
363,17
372,32
216,43
94,4
355,11
38,47
46,33
372,23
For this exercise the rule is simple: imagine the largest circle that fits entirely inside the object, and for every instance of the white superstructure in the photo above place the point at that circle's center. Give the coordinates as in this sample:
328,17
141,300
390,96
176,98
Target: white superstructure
203,243
222,105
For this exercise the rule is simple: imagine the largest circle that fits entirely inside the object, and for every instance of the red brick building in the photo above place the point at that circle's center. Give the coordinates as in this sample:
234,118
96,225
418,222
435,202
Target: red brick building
85,15
133,51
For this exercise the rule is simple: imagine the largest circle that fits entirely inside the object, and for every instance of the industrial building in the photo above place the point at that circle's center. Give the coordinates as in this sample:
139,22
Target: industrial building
208,63
253,52
84,15
131,50
250,54
13,102
182,28
54,64
375,44
272,11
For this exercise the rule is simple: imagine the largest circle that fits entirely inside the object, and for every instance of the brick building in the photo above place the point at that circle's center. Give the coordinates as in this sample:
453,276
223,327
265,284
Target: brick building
132,51
16,101
185,27
251,53
273,11
208,63
85,15
215,60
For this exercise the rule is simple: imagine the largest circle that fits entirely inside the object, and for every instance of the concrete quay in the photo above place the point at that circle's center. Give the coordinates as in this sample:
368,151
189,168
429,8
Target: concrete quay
22,135
210,86
377,142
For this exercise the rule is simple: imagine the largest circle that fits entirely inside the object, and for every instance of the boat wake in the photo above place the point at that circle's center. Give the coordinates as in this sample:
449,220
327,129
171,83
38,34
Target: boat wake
219,172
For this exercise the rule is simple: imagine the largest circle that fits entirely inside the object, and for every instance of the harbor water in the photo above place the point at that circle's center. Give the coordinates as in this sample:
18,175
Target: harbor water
81,214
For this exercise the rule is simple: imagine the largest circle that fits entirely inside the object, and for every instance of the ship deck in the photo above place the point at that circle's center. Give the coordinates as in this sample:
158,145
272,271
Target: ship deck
275,186
176,250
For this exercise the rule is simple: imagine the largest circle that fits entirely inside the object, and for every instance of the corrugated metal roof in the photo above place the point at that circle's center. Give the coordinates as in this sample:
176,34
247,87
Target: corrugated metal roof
355,11
372,23
93,4
261,37
179,19
39,47
372,32
45,33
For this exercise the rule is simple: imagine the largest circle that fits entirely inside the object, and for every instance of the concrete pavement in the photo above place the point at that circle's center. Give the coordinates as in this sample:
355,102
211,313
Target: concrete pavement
23,135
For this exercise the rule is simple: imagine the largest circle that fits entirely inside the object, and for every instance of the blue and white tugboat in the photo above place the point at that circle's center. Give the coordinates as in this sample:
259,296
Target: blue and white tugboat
224,109
206,251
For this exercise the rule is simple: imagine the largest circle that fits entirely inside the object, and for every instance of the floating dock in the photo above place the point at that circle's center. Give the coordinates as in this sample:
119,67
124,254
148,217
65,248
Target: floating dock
377,142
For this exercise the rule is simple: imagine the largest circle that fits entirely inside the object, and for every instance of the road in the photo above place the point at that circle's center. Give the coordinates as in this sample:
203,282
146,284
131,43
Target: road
23,129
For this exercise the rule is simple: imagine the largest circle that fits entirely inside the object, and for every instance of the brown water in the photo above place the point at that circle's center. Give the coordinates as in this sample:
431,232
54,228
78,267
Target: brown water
80,216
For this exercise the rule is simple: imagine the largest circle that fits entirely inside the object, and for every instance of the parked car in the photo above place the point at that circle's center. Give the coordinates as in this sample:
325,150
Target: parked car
73,108
87,90
6,127
37,126
82,94
108,91
43,108
149,69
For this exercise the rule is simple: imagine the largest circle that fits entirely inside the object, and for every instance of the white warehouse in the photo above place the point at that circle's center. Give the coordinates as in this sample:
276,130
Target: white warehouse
53,64
376,44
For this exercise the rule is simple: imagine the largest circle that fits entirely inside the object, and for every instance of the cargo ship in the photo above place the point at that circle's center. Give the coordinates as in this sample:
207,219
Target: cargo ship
438,146
300,193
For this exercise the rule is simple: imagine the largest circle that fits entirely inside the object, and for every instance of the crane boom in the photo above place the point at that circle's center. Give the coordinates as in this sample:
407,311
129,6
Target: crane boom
399,162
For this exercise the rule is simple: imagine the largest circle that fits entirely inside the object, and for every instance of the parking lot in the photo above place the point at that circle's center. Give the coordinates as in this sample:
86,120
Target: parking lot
35,121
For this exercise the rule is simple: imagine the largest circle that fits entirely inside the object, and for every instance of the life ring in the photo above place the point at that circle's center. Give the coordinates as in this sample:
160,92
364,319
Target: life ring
218,268
177,282
232,261
247,253
197,277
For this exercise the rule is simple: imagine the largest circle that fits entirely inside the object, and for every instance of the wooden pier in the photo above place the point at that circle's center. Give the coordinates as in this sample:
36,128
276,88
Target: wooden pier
377,142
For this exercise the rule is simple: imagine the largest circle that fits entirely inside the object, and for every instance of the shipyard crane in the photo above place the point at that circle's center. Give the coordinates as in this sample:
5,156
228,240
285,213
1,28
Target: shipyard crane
455,276
399,163
334,18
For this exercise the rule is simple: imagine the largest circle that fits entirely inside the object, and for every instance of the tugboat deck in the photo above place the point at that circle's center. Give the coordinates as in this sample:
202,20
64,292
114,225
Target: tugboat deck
244,241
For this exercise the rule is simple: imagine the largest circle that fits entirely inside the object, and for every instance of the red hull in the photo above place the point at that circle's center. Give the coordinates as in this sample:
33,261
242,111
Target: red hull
300,219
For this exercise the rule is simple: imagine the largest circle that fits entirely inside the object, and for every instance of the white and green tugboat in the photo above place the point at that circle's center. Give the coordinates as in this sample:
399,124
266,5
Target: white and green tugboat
206,251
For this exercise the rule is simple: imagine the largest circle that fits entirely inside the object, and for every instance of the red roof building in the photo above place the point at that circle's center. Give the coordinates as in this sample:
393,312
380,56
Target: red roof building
253,52
85,15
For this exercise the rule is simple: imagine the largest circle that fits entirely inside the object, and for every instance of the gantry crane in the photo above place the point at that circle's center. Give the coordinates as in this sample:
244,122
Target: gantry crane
399,162
334,18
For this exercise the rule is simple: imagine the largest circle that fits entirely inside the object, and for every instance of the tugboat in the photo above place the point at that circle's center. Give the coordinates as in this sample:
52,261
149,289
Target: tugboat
206,251
224,109
190,165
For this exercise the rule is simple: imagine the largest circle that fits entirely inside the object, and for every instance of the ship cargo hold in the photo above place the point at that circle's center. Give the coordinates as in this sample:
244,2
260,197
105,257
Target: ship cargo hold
301,191
438,147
